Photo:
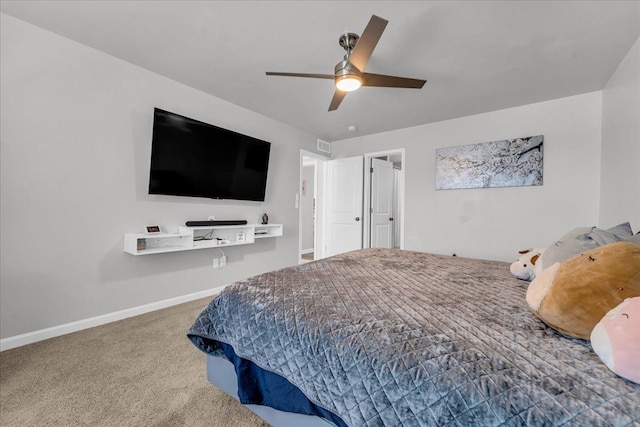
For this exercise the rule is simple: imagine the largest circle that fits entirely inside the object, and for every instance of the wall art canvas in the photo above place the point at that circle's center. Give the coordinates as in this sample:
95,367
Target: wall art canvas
506,163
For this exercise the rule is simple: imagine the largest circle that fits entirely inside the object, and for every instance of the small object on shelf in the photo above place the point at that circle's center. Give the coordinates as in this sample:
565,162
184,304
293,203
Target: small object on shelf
265,218
142,244
152,229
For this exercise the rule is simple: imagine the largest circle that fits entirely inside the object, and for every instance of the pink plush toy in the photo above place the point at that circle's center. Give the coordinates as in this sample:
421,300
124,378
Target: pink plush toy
616,339
526,266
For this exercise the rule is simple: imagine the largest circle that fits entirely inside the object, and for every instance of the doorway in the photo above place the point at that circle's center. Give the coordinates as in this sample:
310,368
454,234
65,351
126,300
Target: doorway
310,206
363,208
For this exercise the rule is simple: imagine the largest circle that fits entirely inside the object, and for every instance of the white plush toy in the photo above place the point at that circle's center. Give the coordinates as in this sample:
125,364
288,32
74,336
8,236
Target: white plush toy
526,267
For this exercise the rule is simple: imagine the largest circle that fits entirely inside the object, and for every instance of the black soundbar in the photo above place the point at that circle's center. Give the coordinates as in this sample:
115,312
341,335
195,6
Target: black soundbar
220,222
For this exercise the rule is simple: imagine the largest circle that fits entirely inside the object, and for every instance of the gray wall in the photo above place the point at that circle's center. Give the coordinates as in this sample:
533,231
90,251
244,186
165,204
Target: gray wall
75,147
74,152
494,223
620,184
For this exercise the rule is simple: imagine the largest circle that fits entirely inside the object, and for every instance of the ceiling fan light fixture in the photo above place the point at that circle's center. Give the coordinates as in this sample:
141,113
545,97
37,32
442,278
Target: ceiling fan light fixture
348,83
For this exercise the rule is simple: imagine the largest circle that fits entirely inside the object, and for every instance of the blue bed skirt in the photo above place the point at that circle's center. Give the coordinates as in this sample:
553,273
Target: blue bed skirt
260,387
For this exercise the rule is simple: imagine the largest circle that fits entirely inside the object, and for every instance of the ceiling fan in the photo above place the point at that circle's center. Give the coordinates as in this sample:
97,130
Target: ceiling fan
349,73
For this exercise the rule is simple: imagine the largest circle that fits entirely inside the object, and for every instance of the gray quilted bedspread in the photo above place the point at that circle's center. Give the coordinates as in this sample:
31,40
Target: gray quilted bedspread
401,338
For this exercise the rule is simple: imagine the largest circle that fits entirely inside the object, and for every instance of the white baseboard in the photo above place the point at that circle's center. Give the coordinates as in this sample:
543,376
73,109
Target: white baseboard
67,328
306,251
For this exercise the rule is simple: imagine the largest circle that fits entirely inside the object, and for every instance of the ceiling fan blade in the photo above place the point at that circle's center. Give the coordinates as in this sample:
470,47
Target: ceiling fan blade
338,96
367,42
380,80
313,76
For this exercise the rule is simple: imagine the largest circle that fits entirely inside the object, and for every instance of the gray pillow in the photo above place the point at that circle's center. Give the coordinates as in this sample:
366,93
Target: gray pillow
621,230
574,242
582,239
634,239
602,237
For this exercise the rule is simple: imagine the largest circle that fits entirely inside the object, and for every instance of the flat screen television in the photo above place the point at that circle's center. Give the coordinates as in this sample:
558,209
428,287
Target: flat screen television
192,158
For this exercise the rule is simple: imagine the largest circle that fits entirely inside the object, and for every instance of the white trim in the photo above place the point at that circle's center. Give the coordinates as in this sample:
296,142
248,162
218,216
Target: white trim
307,251
67,328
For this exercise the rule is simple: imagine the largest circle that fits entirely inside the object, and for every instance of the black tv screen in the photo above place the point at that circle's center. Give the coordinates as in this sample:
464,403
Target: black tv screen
192,158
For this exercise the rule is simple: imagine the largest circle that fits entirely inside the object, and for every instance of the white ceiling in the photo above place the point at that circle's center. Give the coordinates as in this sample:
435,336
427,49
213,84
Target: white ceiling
477,56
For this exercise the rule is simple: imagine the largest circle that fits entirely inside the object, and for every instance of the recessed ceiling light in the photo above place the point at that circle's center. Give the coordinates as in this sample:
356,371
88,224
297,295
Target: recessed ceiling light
352,128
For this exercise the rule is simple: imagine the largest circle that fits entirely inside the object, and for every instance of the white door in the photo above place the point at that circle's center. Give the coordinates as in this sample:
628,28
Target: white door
344,205
381,204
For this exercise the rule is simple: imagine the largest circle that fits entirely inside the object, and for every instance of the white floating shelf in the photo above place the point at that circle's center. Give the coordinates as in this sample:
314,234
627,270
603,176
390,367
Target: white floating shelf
191,238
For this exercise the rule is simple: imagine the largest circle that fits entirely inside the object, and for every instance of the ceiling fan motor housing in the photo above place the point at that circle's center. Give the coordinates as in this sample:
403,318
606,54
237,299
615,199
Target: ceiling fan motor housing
347,76
344,68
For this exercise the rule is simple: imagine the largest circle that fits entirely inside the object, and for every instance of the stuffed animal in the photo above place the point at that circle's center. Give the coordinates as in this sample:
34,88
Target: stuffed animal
574,295
526,266
616,339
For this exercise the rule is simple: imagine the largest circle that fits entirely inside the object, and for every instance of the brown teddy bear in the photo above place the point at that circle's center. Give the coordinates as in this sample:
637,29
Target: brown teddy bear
573,296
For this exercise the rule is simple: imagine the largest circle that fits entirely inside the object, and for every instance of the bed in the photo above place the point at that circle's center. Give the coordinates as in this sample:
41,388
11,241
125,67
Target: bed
401,338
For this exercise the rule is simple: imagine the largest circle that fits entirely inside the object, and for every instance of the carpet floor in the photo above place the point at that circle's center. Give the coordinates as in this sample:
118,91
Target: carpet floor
140,371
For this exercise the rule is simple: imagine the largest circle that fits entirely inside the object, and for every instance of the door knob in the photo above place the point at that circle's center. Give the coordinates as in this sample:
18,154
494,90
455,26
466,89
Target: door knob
391,219
357,218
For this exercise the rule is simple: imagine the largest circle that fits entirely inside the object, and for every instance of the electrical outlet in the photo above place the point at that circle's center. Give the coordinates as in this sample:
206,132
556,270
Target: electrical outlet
216,263
223,261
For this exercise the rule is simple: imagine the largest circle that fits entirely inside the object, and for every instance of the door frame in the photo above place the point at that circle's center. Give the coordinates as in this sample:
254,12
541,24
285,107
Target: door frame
318,229
366,241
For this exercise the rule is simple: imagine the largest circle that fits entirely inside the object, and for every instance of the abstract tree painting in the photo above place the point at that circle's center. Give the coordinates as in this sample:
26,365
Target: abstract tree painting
506,163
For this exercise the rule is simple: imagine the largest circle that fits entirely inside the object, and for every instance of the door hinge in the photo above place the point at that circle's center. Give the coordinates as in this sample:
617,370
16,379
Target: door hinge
371,170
